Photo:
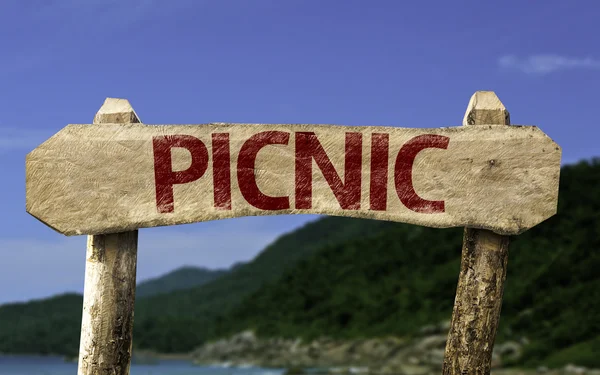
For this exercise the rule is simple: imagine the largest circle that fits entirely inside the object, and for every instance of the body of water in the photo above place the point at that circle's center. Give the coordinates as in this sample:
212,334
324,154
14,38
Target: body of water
29,365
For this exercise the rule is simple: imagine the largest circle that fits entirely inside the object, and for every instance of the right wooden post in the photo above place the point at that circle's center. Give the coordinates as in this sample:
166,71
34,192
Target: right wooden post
482,273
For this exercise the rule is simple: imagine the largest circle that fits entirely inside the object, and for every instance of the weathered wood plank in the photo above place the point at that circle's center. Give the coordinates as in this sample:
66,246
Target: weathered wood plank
482,274
113,178
109,293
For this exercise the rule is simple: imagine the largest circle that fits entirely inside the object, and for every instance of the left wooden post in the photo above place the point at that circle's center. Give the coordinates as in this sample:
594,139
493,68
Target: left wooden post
110,275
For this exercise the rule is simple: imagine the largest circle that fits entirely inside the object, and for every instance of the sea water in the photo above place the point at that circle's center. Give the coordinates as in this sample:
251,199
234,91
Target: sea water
31,365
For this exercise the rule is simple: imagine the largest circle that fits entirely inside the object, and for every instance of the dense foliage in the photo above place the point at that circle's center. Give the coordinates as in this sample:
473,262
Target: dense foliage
350,278
389,283
48,326
404,277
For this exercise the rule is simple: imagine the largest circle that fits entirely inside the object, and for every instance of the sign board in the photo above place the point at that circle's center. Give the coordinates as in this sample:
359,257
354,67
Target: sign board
90,179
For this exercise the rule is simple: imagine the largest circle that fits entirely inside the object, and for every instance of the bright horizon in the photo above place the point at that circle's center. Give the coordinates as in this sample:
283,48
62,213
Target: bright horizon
314,62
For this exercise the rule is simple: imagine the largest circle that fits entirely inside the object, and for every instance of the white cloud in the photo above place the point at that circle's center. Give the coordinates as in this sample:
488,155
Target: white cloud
545,64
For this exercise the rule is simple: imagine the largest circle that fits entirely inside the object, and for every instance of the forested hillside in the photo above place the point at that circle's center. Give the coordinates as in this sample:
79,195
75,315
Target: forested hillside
404,277
354,278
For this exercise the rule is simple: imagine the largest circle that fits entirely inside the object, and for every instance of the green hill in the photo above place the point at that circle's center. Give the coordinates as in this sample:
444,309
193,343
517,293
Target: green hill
404,277
181,278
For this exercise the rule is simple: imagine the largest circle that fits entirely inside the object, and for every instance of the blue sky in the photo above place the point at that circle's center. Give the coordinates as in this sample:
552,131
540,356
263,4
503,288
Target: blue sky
350,62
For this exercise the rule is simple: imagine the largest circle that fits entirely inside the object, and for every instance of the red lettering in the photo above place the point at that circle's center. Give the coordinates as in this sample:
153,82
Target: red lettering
165,177
403,173
380,144
347,193
221,171
245,170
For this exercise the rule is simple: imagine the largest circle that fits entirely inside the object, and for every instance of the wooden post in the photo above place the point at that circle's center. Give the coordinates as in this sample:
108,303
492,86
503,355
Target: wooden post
110,275
482,273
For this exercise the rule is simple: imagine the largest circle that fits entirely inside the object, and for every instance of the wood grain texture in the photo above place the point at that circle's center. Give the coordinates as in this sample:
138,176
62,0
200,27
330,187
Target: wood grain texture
109,292
483,271
101,179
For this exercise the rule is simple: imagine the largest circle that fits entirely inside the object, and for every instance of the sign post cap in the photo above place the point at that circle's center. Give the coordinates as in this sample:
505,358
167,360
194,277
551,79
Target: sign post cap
485,108
116,110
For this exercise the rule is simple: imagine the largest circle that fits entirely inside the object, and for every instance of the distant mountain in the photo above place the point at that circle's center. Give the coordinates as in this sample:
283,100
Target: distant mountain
52,325
187,317
182,278
236,265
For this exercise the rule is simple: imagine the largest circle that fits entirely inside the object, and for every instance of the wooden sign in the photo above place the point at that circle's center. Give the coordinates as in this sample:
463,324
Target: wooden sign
90,179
